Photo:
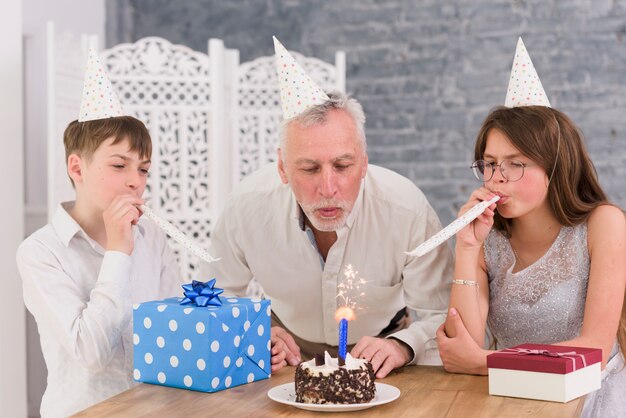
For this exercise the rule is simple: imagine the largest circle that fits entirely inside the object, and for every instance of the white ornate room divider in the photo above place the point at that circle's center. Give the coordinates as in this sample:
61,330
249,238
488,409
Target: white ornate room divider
212,120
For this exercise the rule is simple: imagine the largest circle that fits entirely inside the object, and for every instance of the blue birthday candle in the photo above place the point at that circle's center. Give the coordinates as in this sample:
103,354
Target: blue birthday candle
343,337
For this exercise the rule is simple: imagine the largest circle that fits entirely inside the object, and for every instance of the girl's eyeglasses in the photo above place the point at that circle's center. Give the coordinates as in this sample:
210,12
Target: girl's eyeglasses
511,170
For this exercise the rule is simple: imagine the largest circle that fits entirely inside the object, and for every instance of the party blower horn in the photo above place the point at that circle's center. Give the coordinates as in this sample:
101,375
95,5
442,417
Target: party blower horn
177,234
447,232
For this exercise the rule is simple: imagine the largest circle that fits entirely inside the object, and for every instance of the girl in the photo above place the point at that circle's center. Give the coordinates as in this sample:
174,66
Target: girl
546,263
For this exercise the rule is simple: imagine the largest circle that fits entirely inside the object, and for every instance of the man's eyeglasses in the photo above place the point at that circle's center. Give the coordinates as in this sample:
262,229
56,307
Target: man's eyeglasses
511,170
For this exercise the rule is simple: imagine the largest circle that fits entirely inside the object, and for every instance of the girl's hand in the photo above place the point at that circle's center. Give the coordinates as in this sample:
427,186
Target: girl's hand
473,235
461,354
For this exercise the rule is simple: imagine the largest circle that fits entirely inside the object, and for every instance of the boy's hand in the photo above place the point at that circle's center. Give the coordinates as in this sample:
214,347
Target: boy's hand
119,218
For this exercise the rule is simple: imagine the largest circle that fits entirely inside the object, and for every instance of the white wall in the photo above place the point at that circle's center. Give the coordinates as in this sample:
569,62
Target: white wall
69,16
12,323
72,16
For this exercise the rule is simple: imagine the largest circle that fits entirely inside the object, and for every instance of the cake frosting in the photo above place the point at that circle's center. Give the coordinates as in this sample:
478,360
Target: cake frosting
329,382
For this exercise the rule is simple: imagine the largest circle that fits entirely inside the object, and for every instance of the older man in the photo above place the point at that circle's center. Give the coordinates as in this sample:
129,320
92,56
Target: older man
297,225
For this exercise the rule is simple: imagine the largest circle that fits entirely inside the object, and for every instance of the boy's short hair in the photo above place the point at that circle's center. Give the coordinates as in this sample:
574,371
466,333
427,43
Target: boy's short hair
84,138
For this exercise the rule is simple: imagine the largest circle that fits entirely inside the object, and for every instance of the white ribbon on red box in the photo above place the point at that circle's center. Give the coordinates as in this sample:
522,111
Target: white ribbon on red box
572,355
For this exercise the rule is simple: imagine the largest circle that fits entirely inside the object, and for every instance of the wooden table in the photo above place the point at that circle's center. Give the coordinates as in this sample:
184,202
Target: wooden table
425,392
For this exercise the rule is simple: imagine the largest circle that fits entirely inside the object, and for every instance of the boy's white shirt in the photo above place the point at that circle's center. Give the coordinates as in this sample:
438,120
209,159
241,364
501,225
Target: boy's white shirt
81,297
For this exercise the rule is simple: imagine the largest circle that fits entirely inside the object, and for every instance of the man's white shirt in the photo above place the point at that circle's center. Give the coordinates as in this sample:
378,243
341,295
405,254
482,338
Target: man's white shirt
261,234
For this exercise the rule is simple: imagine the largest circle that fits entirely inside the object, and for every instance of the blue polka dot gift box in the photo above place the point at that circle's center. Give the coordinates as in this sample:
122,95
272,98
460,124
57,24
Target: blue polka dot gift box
204,348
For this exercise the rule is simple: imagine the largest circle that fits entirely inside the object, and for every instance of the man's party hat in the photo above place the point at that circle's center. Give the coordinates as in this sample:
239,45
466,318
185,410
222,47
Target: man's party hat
297,91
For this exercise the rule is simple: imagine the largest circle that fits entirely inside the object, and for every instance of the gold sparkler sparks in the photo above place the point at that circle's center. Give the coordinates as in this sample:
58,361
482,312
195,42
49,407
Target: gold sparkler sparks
349,289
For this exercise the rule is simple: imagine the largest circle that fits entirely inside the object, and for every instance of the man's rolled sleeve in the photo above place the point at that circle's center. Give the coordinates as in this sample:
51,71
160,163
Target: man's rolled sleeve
426,284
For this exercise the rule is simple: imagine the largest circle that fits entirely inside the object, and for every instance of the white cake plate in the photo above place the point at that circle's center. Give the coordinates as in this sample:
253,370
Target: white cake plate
287,394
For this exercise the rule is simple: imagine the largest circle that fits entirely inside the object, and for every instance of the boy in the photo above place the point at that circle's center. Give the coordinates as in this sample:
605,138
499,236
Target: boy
83,271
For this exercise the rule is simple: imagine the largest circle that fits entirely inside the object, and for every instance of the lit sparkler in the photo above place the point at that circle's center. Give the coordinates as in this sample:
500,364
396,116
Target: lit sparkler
347,293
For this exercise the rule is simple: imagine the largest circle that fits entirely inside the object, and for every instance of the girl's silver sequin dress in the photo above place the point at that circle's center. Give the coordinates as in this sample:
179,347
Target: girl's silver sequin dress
544,303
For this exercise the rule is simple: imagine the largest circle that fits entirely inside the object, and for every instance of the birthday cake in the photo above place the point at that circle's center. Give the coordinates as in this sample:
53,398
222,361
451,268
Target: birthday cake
324,381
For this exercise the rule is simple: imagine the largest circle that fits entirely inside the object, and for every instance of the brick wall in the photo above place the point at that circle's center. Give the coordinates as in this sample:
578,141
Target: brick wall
427,72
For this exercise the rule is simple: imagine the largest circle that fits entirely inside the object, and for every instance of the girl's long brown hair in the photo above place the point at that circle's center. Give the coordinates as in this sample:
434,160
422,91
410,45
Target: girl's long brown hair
550,139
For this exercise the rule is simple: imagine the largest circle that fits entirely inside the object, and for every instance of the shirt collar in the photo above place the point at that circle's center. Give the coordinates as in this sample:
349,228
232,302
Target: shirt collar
63,223
298,214
67,228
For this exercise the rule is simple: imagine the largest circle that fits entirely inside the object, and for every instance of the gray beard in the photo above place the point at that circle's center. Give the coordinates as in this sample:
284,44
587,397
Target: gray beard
327,226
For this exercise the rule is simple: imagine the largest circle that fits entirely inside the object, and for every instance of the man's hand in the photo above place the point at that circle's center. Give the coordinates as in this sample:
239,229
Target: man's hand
119,218
460,354
385,354
284,349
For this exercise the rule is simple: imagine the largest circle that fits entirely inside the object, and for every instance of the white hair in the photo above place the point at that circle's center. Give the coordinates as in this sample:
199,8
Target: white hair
318,114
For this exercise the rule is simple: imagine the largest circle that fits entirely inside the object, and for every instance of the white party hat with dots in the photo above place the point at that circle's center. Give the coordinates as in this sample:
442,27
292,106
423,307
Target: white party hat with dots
297,91
525,88
99,99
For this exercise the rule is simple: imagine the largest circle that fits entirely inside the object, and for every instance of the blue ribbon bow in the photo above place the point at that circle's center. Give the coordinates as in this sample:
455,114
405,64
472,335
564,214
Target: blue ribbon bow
202,293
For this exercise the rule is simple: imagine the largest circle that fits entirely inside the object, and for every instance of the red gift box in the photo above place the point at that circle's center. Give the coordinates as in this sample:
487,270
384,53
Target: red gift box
544,358
547,372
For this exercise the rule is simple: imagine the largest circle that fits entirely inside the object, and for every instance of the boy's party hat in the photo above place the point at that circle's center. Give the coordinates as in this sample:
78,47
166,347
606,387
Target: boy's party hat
525,88
99,99
297,91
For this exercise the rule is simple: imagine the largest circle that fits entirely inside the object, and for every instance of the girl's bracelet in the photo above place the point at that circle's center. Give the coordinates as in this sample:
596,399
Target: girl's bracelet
465,282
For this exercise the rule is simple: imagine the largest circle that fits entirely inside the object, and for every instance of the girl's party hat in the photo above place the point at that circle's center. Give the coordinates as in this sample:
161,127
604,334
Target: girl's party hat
525,88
